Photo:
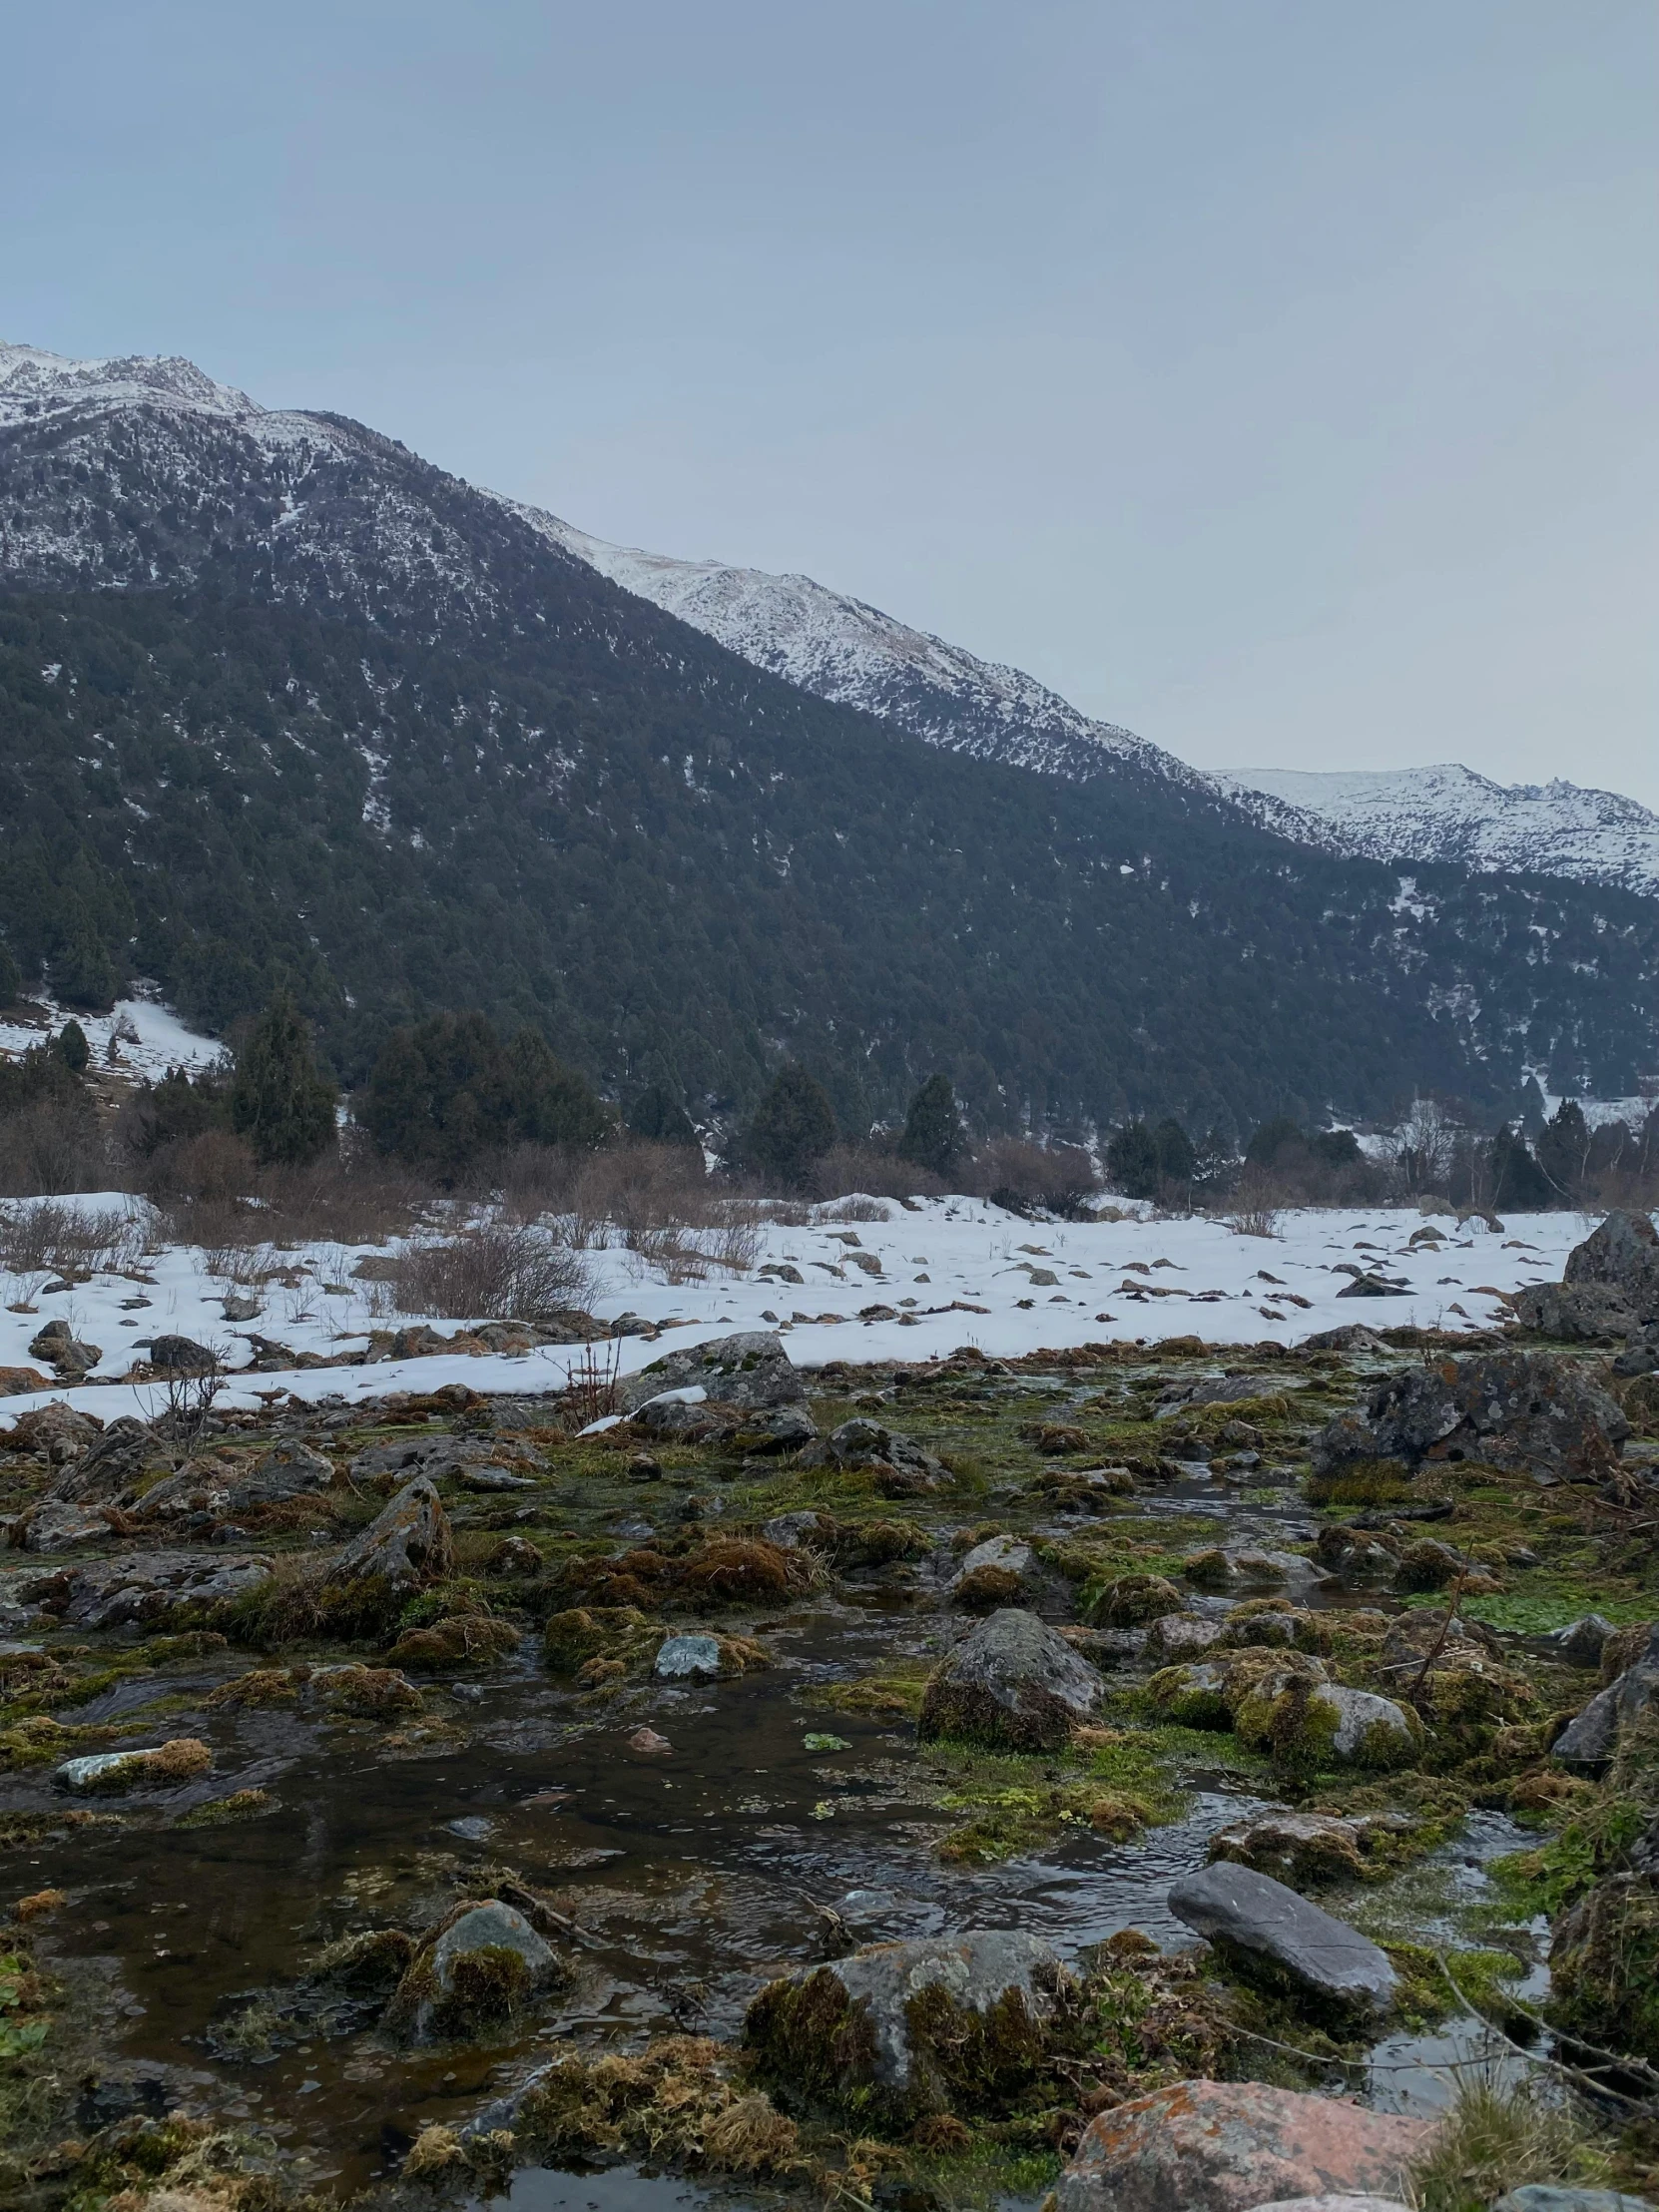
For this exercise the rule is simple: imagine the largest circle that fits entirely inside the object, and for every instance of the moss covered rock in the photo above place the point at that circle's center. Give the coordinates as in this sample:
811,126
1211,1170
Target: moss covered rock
1013,1683
473,1972
898,2030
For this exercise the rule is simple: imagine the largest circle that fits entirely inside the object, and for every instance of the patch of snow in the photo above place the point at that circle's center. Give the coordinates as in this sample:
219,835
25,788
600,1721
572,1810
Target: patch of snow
149,1038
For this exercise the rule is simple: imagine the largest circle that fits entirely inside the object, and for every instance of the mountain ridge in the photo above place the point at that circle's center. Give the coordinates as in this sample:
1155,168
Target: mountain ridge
282,701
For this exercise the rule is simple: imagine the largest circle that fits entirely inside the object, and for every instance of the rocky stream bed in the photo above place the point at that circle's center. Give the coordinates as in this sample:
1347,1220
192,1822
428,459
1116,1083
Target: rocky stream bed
427,1801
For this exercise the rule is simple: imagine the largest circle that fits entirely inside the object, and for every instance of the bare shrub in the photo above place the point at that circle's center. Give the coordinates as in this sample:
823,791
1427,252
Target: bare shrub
49,1237
593,1385
874,1170
1253,1220
52,1149
1019,1172
854,1209
494,1270
215,1168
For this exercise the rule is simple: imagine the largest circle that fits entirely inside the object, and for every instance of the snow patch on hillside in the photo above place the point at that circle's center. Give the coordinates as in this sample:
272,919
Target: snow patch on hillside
148,1038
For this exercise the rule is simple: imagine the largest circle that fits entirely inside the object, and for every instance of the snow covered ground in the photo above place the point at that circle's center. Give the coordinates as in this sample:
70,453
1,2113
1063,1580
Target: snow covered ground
148,1039
912,1287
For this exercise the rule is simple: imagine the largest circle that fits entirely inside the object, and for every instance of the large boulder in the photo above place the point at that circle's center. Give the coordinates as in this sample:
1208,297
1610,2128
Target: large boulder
1229,2146
917,2028
472,1973
751,1370
401,1550
288,1470
54,1527
108,1470
1593,1736
1014,1683
1622,1255
1574,1312
904,1468
1270,1934
150,1589
1526,1412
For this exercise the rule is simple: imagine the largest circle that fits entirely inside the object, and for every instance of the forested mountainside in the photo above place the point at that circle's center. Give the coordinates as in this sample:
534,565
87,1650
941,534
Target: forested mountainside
281,700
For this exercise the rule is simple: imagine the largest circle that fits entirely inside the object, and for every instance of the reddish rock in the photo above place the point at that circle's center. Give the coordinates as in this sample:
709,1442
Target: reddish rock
1229,2146
18,1382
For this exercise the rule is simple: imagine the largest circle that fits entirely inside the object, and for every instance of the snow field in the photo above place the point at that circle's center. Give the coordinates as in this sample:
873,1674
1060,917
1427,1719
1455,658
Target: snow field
950,1272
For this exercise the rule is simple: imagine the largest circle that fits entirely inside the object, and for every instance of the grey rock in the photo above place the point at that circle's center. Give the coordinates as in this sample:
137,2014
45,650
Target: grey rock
488,1479
1373,1285
976,1971
1352,1336
1011,1681
1174,1637
1526,1412
181,1355
108,1470
1270,1933
1577,1313
1593,1736
684,1658
403,1548
805,1530
489,1926
58,1345
751,1369
1370,1731
240,1307
286,1471
1580,1642
55,1525
1538,2196
1624,1255
865,1443
146,1587
1010,1554
57,1430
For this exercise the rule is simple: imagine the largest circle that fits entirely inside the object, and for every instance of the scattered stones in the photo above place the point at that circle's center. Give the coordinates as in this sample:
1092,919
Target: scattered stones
910,2024
1012,1682
1270,1933
751,1370
1525,1412
1229,2146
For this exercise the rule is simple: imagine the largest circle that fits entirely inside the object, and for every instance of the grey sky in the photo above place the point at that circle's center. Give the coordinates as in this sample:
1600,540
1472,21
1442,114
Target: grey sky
1278,378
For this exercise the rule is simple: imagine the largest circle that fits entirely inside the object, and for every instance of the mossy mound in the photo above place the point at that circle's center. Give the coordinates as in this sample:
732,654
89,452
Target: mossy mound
1131,1600
459,1640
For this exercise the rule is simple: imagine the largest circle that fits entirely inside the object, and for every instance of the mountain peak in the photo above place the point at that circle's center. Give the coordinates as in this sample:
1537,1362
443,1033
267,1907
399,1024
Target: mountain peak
36,384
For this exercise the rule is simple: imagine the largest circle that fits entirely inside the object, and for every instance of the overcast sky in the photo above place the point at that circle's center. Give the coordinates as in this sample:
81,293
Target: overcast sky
1278,378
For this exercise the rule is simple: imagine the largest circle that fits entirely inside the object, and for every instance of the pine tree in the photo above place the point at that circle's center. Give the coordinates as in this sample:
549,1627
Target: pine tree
548,1103
658,1117
279,1099
793,1126
1562,1148
933,1137
11,976
1519,1185
82,972
1177,1161
72,1043
1132,1160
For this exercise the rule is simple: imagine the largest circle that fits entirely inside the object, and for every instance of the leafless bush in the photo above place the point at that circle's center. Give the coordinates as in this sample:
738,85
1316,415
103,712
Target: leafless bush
593,1385
493,1271
874,1169
49,1237
853,1209
1253,1220
52,1149
1017,1171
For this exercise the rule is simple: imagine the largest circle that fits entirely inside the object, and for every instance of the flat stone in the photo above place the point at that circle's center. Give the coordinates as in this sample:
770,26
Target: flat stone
1270,1933
1229,2146
681,1658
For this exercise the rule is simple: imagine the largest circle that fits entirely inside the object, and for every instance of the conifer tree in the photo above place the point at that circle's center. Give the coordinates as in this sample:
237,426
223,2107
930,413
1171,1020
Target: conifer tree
279,1099
933,1137
11,976
658,1116
1519,1185
793,1128
72,1043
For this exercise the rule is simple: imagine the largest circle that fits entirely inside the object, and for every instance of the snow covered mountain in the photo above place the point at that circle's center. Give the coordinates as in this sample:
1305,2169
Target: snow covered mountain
1450,814
855,654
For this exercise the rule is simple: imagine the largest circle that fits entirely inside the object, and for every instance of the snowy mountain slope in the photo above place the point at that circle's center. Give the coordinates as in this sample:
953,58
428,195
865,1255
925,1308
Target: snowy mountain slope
146,471
855,654
1449,814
